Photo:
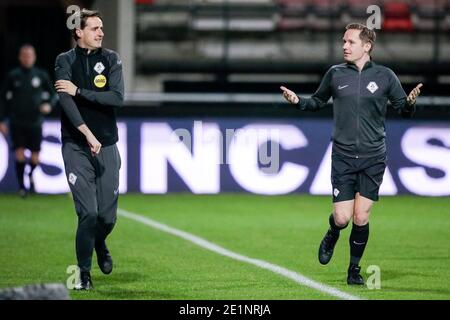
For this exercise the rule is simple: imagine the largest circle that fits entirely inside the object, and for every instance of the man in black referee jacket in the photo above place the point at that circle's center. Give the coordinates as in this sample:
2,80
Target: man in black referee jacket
360,90
26,95
90,86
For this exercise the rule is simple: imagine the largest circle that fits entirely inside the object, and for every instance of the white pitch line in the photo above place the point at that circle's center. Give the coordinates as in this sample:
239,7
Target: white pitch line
297,277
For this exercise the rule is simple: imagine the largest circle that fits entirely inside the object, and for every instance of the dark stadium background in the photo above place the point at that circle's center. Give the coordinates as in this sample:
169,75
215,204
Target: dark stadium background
222,62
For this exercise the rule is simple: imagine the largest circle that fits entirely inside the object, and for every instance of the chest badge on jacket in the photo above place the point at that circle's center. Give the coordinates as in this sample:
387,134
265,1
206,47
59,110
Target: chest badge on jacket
99,67
100,81
35,82
372,87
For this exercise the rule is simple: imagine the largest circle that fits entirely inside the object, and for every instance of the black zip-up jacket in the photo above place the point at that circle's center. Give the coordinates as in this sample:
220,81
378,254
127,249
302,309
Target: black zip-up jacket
359,106
22,94
98,74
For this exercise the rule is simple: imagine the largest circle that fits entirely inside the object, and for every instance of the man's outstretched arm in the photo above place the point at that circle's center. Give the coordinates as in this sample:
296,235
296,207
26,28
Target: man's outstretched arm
403,104
317,101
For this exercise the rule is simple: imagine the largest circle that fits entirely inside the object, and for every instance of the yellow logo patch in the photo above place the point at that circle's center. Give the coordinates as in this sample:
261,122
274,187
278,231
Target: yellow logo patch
100,81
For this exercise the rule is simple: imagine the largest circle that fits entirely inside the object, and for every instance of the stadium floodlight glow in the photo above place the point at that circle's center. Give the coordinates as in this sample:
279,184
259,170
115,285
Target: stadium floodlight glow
417,147
243,159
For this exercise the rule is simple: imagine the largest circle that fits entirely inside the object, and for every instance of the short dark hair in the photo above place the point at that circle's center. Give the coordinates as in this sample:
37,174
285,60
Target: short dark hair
83,15
26,46
366,34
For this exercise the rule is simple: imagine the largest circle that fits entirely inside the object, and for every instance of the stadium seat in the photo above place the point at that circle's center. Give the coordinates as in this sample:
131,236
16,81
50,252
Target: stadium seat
327,8
241,2
445,22
235,18
357,9
293,14
425,13
428,8
145,2
325,15
397,17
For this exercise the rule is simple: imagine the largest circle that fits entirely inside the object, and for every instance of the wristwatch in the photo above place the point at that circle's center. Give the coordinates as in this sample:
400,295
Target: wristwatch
78,92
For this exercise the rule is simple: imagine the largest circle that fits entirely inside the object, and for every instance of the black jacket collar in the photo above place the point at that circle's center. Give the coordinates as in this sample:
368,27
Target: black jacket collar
367,65
84,51
26,70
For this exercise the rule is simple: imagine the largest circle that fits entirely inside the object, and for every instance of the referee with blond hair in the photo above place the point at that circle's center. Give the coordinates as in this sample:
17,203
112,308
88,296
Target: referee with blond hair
361,90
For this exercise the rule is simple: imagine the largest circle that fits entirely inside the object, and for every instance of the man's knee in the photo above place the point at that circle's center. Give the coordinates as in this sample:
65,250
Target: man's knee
109,219
341,217
104,228
362,210
361,217
35,158
88,218
20,154
107,211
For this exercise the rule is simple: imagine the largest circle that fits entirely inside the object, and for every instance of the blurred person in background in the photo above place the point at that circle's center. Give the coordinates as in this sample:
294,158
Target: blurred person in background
90,87
360,89
26,95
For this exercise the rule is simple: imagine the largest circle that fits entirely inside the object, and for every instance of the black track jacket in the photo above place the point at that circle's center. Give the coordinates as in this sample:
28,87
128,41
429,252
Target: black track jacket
359,106
99,75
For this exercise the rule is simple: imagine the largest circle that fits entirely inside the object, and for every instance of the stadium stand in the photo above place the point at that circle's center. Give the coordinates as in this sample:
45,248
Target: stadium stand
200,45
251,46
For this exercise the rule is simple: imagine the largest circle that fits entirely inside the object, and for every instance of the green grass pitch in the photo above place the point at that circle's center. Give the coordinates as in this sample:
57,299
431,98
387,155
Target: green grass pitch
409,241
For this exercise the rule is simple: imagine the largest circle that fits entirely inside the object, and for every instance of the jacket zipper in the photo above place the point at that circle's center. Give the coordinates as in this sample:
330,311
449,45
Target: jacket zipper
357,114
87,66
88,74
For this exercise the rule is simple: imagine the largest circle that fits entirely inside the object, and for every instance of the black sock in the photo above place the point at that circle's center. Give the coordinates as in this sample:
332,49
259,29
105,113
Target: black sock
30,176
358,240
20,169
335,230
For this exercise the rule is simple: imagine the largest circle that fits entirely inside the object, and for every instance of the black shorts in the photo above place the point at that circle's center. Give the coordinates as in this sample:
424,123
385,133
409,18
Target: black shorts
28,137
351,175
